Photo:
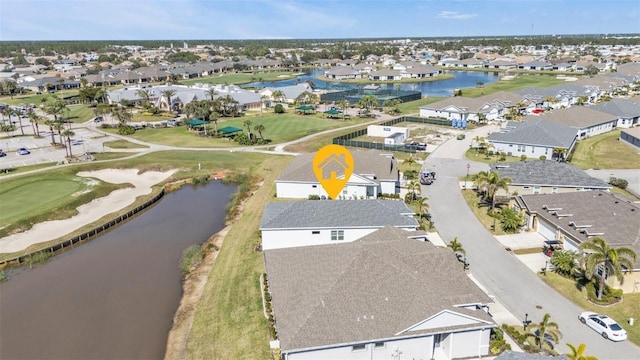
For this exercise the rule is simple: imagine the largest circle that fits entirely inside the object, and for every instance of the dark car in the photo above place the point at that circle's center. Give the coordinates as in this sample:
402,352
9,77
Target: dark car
2,153
419,146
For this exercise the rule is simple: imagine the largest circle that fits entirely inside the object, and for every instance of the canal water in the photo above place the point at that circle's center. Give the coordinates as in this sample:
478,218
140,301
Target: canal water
114,297
439,88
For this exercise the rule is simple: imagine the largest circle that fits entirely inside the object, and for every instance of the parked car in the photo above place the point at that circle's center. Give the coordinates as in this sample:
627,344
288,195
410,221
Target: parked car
419,146
23,151
97,119
2,153
604,325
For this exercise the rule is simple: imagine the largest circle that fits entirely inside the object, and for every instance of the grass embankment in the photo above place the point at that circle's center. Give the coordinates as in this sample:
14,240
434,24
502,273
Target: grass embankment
621,312
51,195
240,78
229,322
605,152
366,80
30,97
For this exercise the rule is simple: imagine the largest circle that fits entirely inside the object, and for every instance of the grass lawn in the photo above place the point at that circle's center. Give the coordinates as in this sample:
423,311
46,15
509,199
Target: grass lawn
472,200
138,117
605,152
51,195
229,323
124,144
473,155
80,113
278,128
621,312
520,82
240,78
33,98
413,107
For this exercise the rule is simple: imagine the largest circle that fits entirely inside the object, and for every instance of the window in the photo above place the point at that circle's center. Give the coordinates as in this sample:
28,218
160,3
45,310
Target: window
337,235
554,190
315,232
314,186
536,190
379,345
359,347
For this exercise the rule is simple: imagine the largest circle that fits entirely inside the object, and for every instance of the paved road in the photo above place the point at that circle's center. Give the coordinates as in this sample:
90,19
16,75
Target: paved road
631,175
504,276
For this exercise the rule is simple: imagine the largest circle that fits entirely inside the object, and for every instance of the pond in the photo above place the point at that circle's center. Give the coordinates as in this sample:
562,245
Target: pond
440,88
115,296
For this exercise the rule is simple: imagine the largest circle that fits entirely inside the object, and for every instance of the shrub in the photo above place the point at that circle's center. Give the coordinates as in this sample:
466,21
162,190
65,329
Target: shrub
523,157
411,174
543,157
619,183
243,139
3,276
279,109
314,197
609,295
126,130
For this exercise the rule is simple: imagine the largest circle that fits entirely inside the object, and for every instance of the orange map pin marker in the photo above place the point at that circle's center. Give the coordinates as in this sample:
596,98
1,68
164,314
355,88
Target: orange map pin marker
333,165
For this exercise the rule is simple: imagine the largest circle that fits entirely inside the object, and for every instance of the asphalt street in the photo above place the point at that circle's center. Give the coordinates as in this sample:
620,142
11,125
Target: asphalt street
516,287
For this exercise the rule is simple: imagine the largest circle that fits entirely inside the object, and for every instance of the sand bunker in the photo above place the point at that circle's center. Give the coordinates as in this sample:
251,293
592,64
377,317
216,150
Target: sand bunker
91,211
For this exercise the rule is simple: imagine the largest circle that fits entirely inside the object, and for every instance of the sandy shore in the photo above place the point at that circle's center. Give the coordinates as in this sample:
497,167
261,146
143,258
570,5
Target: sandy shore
91,211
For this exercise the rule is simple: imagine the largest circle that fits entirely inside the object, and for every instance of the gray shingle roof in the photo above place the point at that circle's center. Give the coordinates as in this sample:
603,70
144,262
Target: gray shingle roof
576,116
548,173
616,217
371,162
623,108
316,214
372,288
537,132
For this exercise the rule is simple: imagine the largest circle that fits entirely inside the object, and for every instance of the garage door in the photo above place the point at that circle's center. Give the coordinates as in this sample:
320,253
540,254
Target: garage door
548,231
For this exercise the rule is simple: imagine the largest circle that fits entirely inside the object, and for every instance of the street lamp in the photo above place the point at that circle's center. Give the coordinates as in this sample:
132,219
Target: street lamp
465,179
526,321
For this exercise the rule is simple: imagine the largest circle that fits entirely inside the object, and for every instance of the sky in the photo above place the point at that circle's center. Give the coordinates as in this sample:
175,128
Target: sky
309,19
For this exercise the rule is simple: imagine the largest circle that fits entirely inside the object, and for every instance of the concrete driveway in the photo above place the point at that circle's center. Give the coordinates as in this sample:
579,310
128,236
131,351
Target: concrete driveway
504,276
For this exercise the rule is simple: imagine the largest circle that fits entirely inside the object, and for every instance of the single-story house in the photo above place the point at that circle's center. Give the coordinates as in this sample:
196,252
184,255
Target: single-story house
289,93
547,177
536,66
586,121
343,73
627,111
317,222
384,75
534,137
631,136
577,217
385,296
374,173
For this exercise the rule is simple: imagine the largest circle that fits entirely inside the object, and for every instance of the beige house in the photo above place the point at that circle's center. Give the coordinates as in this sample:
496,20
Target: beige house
577,217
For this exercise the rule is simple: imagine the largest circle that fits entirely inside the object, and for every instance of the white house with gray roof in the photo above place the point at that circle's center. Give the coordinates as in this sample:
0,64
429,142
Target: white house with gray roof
586,121
384,296
627,111
316,222
374,173
534,137
547,177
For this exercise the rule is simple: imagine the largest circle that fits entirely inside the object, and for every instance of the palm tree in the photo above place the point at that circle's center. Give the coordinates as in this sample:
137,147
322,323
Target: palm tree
410,161
247,123
263,100
145,94
343,104
35,119
212,93
456,246
564,261
259,128
413,187
168,94
278,96
543,331
478,140
68,134
577,353
489,182
422,205
600,257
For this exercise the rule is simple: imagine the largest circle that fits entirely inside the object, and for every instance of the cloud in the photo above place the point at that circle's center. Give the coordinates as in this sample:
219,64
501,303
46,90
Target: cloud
455,15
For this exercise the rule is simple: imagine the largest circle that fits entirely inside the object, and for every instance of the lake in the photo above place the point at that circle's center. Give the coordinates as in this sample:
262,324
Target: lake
115,296
440,88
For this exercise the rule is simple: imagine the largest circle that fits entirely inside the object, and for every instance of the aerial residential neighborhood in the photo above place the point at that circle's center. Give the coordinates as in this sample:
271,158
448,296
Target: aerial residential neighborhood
269,180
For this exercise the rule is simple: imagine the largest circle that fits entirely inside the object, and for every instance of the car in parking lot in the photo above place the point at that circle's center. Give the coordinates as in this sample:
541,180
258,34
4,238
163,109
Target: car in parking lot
603,325
23,151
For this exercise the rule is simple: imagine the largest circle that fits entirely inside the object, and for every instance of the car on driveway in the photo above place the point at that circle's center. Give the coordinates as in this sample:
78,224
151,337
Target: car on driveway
603,325
23,151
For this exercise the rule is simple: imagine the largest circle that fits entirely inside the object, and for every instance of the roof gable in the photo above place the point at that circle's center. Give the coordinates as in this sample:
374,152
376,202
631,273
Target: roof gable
445,318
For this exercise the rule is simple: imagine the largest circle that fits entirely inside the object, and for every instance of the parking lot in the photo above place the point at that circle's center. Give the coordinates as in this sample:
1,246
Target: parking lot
41,150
